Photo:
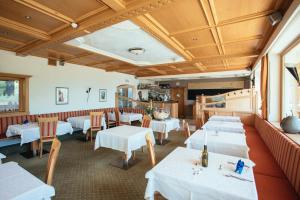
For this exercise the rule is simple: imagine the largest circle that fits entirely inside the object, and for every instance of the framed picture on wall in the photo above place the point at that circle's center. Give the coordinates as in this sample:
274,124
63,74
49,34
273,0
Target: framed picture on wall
102,95
62,95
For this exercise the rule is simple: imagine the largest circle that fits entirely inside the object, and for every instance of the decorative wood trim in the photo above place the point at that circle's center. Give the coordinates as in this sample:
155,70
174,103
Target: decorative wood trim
243,55
45,10
24,28
116,5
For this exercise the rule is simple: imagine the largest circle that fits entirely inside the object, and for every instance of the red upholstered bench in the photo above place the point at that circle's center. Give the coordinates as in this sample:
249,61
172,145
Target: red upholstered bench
277,170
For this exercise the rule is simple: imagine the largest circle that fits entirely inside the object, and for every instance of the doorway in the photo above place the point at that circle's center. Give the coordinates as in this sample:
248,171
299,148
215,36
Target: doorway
177,94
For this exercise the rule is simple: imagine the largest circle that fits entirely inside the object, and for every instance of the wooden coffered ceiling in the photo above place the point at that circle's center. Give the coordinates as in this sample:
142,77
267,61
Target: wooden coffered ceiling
212,35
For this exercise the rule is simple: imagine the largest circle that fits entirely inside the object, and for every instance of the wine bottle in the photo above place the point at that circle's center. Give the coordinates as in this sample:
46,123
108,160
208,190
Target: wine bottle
204,157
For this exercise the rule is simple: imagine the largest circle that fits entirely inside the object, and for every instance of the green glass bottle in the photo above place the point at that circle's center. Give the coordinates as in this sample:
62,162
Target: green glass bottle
204,157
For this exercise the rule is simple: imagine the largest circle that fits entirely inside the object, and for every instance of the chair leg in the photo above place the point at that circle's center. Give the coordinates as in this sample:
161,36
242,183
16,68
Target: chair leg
87,136
91,135
41,149
142,148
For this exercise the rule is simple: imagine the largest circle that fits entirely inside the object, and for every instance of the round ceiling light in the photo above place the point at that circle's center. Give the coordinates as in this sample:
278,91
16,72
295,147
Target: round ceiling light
136,50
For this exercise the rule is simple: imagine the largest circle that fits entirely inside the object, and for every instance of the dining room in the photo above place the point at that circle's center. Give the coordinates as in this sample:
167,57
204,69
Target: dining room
149,99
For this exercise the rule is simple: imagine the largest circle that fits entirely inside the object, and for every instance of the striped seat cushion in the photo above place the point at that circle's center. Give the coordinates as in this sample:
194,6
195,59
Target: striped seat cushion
285,151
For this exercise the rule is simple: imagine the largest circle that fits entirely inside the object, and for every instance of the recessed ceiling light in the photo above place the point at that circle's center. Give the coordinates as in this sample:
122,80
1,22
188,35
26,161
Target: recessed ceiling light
194,39
136,50
74,25
27,17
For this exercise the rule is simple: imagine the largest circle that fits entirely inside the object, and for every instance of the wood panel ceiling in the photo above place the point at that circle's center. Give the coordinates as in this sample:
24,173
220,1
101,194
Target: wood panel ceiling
212,35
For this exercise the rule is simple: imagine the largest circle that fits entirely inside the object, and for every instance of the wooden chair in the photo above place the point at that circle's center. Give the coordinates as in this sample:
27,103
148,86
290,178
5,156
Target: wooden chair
146,121
109,123
186,128
151,152
48,127
96,123
117,116
56,144
150,148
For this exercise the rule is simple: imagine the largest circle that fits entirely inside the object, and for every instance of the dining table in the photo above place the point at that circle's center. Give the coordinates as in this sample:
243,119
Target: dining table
222,142
163,128
235,127
225,118
84,122
30,132
180,175
126,117
126,139
18,183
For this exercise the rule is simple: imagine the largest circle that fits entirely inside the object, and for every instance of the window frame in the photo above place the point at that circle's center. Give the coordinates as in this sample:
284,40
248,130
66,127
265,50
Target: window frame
23,93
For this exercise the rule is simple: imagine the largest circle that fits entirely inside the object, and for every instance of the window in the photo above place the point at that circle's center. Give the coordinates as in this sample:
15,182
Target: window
9,95
257,88
291,89
13,93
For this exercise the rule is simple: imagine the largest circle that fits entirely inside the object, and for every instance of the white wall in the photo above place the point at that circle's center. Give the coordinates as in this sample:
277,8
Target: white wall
77,78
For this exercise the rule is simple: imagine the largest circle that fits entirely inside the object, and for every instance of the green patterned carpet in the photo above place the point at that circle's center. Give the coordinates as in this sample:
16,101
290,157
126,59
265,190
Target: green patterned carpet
82,173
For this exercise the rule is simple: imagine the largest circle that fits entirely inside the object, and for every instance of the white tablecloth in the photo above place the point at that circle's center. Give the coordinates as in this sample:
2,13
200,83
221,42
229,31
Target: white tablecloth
221,142
2,156
176,178
123,138
165,126
236,127
17,183
84,122
225,118
31,132
126,117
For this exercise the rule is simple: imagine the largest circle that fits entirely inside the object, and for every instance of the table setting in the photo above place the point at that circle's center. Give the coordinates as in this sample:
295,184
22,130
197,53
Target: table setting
235,127
182,175
225,118
227,143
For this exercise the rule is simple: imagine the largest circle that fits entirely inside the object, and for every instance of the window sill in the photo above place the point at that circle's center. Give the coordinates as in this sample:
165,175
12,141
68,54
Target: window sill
294,137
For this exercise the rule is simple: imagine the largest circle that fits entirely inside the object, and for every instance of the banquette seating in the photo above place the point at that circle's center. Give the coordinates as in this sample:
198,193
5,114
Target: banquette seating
277,159
62,116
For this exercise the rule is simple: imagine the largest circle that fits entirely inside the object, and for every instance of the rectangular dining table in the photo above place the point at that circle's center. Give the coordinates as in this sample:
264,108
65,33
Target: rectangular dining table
124,138
235,127
18,183
178,176
30,132
126,117
219,142
163,127
84,123
225,118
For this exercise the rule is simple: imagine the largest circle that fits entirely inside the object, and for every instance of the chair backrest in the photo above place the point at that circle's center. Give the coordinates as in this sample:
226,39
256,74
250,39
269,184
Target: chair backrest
146,121
48,127
150,149
187,132
106,117
96,119
117,116
56,144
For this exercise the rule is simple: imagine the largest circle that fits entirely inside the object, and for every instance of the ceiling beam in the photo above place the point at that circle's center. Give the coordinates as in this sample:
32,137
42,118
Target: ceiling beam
149,24
201,67
45,10
116,5
228,56
157,70
96,22
118,67
36,33
7,40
